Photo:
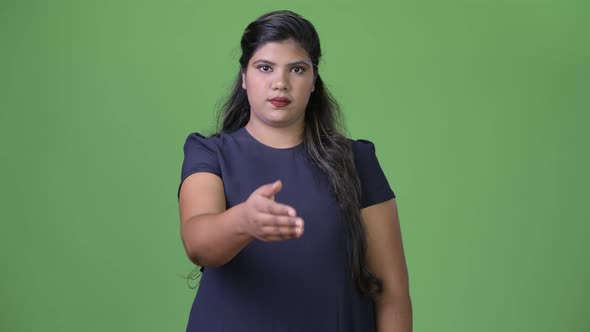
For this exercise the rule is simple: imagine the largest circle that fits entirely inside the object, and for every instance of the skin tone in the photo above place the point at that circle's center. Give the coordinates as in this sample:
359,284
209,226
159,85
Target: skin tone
278,69
386,259
212,235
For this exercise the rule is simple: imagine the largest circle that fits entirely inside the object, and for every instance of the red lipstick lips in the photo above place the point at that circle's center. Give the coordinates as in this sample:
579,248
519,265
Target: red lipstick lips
280,101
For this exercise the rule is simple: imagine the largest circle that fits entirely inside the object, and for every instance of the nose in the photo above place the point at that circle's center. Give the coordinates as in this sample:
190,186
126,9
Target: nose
281,81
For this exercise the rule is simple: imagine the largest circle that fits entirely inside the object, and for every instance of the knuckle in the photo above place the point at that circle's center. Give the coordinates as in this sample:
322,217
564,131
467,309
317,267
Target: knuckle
255,201
284,209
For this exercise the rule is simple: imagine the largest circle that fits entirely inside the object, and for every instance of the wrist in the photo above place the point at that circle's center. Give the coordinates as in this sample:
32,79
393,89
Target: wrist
238,220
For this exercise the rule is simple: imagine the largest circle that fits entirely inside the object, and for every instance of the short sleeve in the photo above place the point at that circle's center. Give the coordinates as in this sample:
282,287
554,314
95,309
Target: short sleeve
200,155
374,185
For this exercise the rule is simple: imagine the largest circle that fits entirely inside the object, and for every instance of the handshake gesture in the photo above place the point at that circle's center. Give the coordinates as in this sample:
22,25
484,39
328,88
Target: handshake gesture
267,220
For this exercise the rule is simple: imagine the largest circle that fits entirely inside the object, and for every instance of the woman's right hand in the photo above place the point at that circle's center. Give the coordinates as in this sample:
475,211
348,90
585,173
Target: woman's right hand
267,220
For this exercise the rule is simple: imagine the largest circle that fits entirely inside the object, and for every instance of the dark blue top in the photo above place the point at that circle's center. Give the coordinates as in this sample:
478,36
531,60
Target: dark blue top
301,284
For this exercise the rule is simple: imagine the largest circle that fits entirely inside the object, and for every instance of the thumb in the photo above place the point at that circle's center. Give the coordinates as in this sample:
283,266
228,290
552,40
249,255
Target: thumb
269,190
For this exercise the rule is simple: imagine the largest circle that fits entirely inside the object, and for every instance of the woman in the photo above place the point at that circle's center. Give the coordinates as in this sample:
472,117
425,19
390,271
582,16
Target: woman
296,224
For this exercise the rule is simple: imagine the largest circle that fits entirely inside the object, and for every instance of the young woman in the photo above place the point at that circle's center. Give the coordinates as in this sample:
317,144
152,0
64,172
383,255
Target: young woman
295,224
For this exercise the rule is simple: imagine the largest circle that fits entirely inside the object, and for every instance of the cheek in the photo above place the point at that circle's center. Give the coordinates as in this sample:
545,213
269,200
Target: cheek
255,83
305,87
308,83
244,80
256,92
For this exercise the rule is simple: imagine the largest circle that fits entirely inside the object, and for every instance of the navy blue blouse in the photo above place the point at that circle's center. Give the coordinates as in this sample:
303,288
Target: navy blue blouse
300,284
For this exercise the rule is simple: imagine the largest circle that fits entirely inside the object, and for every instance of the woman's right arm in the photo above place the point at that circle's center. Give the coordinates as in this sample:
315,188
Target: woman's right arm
212,235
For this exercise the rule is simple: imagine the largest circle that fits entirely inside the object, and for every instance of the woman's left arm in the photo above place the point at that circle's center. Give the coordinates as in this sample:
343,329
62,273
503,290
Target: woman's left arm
385,259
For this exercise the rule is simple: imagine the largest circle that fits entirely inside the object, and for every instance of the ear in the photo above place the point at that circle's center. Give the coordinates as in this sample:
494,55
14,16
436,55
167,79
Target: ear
313,85
243,80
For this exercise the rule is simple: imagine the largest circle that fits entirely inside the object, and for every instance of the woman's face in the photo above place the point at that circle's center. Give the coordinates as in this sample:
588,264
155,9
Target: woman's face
279,70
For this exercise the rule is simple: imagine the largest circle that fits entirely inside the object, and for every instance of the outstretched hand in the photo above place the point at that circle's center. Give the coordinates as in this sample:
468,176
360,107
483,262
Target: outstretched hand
267,220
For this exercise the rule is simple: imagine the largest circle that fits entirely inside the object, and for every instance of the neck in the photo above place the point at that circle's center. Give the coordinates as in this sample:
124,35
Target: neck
276,137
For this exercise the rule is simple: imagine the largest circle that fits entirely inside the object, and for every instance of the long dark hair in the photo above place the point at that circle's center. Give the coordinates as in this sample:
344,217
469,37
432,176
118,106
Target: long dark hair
325,144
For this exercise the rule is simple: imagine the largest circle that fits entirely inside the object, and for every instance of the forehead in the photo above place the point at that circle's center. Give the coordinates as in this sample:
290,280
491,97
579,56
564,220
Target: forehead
279,52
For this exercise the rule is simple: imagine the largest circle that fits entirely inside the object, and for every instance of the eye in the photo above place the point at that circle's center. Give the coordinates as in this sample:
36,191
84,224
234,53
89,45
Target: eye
264,68
299,69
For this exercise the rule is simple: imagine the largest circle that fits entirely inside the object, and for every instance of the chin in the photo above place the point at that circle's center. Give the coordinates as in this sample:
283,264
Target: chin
279,119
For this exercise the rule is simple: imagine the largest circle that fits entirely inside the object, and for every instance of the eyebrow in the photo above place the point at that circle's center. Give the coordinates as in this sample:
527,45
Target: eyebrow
300,62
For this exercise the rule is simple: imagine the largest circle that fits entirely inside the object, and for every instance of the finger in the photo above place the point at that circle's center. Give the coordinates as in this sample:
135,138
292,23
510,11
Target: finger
272,207
270,189
276,239
281,232
273,237
279,220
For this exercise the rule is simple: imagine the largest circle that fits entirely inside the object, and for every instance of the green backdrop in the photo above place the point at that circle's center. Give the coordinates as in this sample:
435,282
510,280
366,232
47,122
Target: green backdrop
478,109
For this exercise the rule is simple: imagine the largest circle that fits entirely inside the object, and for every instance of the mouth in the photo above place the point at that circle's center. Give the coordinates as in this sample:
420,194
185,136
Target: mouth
280,102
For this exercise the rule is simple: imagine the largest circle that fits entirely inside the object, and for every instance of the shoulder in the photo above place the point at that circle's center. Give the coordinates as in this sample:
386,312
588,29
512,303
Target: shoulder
201,154
362,150
375,187
200,149
197,138
210,143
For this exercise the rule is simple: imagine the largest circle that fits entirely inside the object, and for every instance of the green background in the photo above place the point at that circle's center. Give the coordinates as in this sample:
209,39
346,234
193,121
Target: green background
478,109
